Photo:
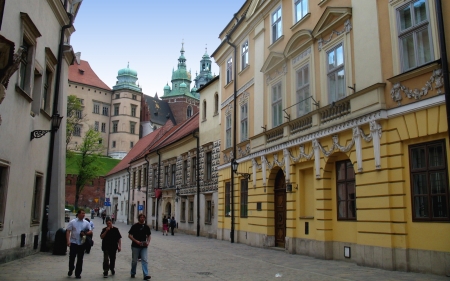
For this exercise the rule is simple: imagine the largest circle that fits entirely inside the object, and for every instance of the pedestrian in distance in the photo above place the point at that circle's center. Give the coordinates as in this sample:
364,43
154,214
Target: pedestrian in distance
140,236
113,218
173,224
111,243
76,230
89,238
104,216
165,225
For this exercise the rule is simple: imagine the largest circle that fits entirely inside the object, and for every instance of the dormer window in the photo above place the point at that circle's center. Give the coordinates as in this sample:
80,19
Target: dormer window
81,71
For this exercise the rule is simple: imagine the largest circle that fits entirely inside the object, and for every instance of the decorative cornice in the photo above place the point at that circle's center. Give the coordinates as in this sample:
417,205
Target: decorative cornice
347,29
239,92
277,73
244,99
303,54
437,77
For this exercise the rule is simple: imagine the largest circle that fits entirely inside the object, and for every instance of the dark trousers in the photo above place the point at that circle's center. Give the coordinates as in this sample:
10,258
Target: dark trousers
171,229
78,252
109,260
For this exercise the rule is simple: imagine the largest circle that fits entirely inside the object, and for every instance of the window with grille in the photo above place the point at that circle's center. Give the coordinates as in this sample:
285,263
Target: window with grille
208,165
429,181
346,190
166,175
173,170
191,211
244,198
194,170
227,199
37,194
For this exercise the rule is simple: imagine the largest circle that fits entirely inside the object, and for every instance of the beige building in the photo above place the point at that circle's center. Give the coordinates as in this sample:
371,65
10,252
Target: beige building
115,113
29,99
337,110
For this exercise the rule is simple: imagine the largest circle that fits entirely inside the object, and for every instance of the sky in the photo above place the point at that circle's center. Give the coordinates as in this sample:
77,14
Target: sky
148,34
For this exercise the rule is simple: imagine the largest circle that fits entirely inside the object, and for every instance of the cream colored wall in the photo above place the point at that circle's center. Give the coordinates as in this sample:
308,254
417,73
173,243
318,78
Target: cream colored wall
210,128
16,126
90,94
123,137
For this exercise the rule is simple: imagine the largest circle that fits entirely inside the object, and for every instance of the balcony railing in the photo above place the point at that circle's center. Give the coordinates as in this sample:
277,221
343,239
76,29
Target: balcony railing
335,110
275,134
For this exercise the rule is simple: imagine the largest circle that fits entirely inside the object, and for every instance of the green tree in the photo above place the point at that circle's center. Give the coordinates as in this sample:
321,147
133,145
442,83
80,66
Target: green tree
74,118
90,150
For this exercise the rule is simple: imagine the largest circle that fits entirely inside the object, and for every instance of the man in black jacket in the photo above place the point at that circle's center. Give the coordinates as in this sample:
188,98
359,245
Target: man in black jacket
111,243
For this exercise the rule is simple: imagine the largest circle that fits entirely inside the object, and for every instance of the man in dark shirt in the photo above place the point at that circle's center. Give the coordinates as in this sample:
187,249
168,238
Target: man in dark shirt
140,235
111,243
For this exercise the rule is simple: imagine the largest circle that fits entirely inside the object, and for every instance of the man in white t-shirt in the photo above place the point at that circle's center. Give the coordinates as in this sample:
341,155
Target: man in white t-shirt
77,228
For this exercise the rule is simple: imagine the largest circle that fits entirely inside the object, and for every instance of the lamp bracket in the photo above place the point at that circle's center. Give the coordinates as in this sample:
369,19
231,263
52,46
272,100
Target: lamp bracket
36,134
245,175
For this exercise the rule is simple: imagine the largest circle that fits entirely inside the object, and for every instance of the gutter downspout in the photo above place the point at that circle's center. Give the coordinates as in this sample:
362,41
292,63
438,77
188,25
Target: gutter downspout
159,174
198,182
234,123
48,177
444,61
129,192
146,190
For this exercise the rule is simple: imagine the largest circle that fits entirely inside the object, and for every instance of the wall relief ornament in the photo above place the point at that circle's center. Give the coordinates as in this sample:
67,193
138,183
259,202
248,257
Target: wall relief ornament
276,73
347,29
228,158
229,109
244,152
437,78
244,98
357,134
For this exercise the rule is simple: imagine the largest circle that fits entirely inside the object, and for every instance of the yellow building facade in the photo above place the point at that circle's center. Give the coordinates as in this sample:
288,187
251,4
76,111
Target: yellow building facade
335,113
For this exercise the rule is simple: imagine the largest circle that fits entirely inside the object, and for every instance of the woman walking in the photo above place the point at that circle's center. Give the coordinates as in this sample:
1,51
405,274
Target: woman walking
165,226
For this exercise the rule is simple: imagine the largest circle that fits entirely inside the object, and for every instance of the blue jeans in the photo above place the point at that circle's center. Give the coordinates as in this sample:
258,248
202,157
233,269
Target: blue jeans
135,252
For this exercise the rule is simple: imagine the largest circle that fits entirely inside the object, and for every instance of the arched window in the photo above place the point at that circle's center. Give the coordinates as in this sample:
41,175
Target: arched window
204,110
216,103
189,111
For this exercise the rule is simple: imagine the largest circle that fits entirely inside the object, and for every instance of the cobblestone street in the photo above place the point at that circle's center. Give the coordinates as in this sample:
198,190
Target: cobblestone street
186,257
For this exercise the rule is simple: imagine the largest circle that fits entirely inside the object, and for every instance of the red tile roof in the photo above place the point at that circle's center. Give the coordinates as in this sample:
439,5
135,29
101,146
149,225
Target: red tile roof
82,73
140,146
175,134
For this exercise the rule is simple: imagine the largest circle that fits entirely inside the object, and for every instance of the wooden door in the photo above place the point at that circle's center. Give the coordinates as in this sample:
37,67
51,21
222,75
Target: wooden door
280,209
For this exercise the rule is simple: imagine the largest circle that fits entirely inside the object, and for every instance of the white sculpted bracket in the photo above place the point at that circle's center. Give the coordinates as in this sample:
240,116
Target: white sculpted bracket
437,78
244,152
347,29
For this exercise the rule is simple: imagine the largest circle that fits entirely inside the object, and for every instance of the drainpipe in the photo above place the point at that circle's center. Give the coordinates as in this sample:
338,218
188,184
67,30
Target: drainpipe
444,61
129,193
48,178
198,182
234,121
159,174
146,190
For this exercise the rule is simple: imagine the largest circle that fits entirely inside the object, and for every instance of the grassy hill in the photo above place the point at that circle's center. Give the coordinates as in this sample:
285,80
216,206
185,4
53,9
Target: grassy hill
106,165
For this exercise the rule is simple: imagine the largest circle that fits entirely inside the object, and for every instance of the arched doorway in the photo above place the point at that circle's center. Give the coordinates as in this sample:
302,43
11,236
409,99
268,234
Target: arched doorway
280,209
168,211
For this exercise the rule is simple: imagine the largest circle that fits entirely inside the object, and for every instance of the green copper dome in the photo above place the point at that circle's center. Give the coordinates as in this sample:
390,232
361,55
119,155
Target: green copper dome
126,79
167,87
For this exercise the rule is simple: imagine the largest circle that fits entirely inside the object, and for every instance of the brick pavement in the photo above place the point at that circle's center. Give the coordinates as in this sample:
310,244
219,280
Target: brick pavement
186,257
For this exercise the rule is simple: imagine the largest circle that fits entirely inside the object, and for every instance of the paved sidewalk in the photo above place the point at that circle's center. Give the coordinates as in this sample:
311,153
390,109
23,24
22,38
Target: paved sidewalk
186,257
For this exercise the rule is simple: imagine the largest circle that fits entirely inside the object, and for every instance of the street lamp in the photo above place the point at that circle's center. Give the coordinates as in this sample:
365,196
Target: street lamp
234,167
177,193
56,122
